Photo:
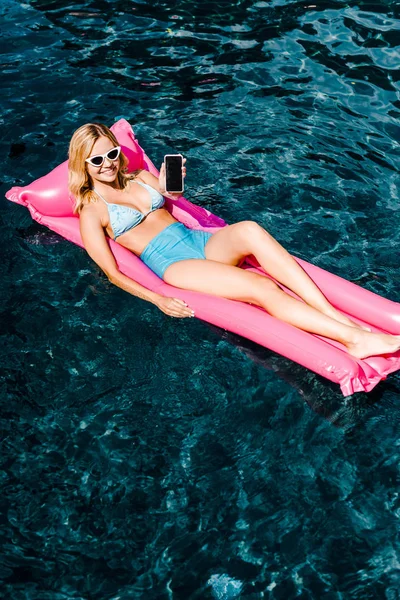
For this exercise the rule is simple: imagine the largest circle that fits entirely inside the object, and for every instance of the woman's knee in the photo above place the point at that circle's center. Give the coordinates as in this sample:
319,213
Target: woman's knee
250,230
262,287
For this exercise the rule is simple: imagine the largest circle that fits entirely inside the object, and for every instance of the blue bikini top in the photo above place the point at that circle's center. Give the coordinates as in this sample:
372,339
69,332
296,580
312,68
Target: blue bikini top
124,218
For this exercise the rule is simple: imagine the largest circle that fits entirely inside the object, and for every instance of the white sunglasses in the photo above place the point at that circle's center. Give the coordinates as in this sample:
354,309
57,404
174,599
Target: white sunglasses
98,160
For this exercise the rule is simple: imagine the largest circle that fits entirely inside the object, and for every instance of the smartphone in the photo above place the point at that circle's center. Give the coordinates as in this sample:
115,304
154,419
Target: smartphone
173,172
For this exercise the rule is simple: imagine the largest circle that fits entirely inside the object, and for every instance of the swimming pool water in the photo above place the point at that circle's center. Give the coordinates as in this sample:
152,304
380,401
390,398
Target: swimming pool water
147,457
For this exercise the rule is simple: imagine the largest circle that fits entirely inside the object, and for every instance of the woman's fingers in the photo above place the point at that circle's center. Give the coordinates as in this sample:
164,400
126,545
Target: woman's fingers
174,307
181,308
178,315
161,178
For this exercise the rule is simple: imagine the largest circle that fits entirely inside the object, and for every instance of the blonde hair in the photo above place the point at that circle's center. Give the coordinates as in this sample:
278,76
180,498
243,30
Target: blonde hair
80,183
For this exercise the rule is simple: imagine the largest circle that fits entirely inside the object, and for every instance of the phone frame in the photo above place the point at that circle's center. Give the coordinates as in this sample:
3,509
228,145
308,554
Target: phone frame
183,183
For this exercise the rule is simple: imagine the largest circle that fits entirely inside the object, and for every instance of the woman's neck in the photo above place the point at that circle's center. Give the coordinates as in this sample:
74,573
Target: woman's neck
105,187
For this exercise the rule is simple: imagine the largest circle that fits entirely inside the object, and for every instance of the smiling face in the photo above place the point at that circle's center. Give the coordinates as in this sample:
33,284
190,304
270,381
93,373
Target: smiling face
108,171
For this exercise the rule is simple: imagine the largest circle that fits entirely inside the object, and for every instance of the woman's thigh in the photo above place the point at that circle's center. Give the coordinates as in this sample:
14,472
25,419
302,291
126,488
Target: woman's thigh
228,245
218,279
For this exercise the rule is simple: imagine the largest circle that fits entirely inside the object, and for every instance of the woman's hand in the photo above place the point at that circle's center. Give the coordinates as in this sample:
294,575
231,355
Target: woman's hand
162,183
173,307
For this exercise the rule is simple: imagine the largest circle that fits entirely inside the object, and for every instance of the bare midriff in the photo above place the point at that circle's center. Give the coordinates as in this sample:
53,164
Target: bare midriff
136,239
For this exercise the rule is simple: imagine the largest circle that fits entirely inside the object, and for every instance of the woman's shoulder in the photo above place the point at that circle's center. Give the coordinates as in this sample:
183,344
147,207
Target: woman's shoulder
89,209
136,174
145,177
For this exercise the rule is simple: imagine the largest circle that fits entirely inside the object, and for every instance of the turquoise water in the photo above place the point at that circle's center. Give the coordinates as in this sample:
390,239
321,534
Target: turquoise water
147,457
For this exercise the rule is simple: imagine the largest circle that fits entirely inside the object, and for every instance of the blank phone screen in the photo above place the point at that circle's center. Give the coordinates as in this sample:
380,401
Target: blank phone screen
173,173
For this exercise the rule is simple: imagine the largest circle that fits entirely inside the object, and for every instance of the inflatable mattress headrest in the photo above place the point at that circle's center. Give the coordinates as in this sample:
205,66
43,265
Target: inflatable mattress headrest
49,195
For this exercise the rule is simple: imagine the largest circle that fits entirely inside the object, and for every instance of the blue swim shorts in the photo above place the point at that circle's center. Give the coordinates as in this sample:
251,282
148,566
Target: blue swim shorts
176,242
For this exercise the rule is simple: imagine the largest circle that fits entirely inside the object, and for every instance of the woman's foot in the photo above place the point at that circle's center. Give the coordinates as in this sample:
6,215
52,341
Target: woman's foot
364,344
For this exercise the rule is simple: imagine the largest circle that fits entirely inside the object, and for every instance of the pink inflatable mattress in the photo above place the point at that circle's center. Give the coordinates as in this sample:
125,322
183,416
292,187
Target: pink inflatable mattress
49,203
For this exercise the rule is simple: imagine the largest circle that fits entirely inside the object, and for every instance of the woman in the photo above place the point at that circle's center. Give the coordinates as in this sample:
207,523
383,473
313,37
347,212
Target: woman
129,209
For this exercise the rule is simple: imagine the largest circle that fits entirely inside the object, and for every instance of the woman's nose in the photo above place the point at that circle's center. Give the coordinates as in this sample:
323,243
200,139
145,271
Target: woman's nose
107,162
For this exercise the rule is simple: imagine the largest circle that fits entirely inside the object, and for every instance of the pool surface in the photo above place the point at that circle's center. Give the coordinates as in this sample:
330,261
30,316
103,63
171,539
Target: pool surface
163,459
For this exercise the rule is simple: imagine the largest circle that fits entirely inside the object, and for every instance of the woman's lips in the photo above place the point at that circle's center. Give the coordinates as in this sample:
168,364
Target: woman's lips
108,171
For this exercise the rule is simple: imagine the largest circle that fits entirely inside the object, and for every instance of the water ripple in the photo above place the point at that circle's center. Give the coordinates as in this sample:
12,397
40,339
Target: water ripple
146,457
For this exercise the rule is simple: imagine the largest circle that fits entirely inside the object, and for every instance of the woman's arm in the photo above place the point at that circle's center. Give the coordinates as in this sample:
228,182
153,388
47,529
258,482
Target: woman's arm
97,247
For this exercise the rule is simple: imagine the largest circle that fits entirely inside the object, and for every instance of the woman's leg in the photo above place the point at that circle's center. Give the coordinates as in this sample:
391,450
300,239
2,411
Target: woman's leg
227,281
234,242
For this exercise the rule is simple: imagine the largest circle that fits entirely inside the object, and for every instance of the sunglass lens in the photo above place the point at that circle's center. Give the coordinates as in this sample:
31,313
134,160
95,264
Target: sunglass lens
96,161
113,154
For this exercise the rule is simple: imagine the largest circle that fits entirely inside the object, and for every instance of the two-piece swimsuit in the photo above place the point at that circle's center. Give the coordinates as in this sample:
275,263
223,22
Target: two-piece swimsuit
174,243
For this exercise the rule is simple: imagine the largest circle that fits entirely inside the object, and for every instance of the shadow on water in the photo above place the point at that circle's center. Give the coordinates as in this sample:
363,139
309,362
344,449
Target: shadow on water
322,396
